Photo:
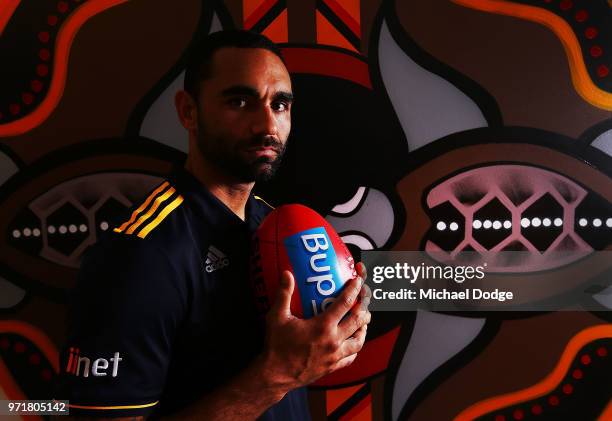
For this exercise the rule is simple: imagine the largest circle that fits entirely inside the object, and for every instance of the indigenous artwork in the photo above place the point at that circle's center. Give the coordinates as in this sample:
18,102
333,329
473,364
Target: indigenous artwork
438,125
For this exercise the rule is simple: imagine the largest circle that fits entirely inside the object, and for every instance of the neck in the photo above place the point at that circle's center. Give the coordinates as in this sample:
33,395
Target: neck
227,189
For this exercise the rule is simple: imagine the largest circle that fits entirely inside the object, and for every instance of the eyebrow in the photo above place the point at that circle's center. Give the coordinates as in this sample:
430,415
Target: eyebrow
284,96
244,90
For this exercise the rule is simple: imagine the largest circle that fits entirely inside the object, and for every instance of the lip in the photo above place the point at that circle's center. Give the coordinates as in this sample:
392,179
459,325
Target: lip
261,151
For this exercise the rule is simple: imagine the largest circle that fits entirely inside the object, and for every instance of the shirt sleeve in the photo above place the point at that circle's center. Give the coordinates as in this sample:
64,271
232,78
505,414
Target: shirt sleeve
124,313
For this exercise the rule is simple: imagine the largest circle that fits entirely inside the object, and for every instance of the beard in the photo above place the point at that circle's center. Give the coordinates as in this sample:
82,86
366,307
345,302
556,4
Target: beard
232,158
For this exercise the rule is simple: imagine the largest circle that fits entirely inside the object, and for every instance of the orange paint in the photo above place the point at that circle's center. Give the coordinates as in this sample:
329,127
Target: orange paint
36,336
580,77
548,384
336,397
260,8
65,37
249,6
339,10
328,35
360,412
353,8
278,30
606,415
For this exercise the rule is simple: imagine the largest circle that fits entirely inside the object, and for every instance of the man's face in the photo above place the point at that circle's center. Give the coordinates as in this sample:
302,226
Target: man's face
244,113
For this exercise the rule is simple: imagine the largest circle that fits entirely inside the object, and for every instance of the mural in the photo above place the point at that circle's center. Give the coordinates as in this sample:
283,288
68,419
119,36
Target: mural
442,125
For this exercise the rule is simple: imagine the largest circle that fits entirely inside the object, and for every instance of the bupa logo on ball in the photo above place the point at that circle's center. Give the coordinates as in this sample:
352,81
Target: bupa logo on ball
315,267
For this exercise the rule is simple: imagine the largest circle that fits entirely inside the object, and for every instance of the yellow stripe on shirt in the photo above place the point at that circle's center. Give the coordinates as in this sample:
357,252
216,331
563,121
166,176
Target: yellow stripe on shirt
146,405
173,205
142,207
259,198
151,211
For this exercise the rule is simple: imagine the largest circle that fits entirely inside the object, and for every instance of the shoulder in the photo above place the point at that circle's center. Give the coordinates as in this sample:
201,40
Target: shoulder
160,220
155,235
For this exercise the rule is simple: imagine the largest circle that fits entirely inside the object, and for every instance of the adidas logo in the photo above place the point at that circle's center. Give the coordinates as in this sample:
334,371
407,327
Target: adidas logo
215,260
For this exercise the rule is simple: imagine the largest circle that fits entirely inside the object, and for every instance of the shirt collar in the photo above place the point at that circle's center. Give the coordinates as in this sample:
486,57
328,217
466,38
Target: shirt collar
211,208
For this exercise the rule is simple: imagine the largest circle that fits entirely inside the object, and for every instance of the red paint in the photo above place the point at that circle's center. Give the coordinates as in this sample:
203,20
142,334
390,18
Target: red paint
44,36
553,400
46,375
518,414
62,6
5,343
590,32
566,4
258,13
596,51
536,409
602,352
19,347
500,418
36,85
27,98
44,54
42,70
52,20
582,15
585,359
603,71
568,389
345,17
577,374
327,63
34,359
14,109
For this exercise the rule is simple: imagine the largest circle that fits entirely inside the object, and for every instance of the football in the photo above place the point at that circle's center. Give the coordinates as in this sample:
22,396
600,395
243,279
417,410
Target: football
296,238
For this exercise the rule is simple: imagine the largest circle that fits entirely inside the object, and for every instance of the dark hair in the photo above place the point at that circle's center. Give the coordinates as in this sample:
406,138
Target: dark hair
200,54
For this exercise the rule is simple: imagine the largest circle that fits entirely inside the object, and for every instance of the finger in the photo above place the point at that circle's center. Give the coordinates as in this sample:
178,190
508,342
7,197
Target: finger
282,305
362,271
354,344
343,303
344,362
357,318
365,296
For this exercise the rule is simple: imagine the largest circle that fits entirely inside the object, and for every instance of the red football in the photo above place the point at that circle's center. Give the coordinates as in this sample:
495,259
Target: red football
296,238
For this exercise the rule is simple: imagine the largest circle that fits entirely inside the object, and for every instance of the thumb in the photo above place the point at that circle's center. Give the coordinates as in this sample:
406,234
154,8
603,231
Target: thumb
285,291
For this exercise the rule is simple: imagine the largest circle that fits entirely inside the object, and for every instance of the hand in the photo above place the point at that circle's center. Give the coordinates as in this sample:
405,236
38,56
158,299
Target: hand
298,351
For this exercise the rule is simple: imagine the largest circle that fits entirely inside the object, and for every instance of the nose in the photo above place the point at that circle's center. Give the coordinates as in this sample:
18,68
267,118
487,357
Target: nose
264,122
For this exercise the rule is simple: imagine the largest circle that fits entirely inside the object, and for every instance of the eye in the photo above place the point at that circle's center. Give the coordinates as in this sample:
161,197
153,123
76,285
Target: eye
237,102
280,106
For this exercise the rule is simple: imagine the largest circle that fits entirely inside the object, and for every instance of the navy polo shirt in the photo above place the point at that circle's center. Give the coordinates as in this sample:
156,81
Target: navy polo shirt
163,311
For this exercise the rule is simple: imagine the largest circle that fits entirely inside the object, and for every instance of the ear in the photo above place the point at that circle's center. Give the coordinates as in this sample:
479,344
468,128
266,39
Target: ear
186,109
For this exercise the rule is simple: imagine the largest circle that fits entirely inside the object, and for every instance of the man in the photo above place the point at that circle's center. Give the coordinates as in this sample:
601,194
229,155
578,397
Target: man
163,319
